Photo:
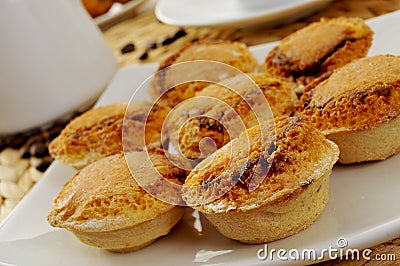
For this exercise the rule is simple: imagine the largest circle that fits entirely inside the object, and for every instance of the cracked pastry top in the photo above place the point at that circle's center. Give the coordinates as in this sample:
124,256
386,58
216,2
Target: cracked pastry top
319,48
97,133
104,206
358,96
234,54
293,155
223,109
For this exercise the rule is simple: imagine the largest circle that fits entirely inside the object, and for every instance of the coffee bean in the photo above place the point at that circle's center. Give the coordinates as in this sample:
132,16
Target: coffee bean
144,56
24,152
55,131
17,141
151,45
36,138
130,47
167,41
38,149
44,164
3,143
179,34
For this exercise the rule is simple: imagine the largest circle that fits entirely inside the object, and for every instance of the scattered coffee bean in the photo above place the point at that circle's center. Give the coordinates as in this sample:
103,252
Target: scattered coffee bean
17,141
3,143
179,34
44,164
144,56
167,41
36,138
130,47
24,152
39,150
151,45
55,131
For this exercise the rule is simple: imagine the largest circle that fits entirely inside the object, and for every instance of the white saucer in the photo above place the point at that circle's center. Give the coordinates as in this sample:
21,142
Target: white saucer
233,12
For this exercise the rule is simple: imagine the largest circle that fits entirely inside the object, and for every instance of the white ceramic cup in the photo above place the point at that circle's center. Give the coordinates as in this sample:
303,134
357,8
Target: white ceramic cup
53,60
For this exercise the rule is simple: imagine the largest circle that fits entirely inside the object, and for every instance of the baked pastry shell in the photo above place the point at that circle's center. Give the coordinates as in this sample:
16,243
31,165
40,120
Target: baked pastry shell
372,144
135,237
285,217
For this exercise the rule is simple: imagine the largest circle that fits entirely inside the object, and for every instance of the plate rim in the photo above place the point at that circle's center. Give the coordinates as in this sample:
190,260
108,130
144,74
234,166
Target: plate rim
266,16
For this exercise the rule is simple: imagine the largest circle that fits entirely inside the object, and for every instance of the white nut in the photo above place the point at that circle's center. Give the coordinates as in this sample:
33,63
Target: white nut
4,212
20,166
25,182
10,203
9,156
35,174
8,174
11,190
35,161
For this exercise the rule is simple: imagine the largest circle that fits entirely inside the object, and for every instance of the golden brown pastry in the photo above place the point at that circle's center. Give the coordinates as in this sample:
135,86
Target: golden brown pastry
232,53
319,48
217,120
104,206
98,132
358,108
269,188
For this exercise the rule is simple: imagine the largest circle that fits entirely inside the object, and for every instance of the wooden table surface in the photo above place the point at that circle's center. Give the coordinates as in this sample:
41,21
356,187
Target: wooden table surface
145,31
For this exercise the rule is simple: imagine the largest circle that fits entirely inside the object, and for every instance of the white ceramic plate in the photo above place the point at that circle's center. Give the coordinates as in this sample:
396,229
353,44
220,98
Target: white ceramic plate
239,13
117,11
363,206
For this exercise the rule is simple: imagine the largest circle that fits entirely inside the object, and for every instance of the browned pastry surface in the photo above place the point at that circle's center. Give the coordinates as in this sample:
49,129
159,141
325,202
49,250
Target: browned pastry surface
220,117
361,95
98,132
319,48
102,204
265,188
234,54
291,156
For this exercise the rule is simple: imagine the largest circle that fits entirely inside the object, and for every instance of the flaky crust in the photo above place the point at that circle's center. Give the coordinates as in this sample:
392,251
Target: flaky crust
319,48
361,95
292,156
98,132
187,135
105,197
232,53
